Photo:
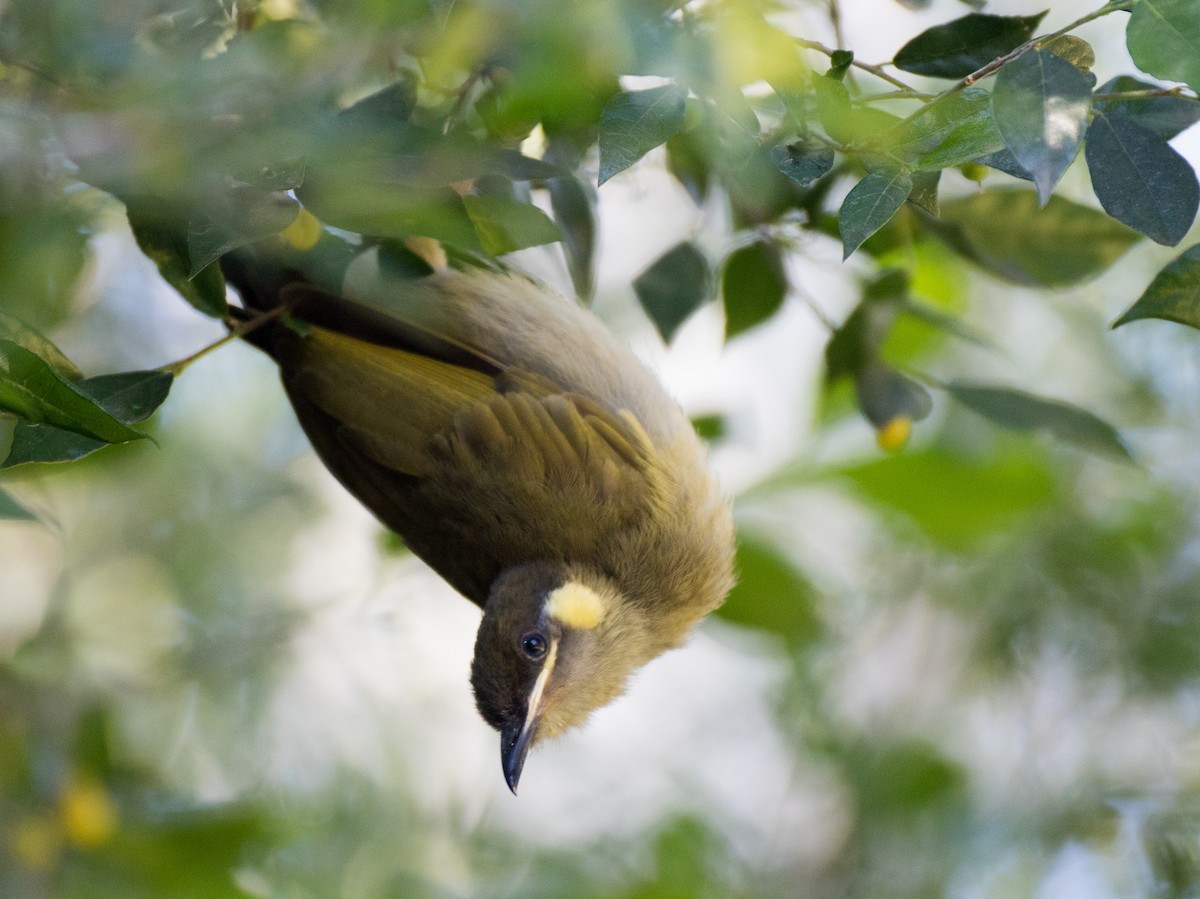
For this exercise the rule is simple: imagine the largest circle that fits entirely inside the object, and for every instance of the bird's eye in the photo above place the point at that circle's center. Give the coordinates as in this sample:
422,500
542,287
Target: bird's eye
534,645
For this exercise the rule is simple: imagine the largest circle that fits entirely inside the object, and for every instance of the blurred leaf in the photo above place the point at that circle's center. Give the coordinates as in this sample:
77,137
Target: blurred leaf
856,343
803,163
753,286
574,211
11,510
1163,116
954,500
688,162
635,122
870,204
885,395
847,123
506,224
392,210
1164,40
166,245
1040,105
1074,50
1173,295
771,595
900,780
131,397
1022,411
21,334
241,217
1140,179
710,428
958,48
1006,233
671,289
35,391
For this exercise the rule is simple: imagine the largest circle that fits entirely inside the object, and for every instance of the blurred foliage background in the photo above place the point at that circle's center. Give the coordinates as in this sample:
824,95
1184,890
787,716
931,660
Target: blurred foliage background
962,657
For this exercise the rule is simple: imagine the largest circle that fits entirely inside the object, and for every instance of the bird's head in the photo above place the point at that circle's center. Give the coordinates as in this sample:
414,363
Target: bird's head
555,643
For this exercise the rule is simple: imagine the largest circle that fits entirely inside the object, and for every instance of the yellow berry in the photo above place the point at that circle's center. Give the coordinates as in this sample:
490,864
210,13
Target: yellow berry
87,812
893,436
304,231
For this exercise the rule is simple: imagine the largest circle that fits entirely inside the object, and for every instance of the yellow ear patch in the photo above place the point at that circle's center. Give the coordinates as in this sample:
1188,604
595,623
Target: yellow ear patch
576,606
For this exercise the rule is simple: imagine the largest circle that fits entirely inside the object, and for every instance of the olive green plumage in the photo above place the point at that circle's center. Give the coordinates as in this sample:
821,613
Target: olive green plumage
517,447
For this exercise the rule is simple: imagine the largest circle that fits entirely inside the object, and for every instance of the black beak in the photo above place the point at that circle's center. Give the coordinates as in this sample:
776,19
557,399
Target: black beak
515,741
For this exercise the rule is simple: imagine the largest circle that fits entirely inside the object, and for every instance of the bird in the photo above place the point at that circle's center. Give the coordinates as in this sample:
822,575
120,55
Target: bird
524,454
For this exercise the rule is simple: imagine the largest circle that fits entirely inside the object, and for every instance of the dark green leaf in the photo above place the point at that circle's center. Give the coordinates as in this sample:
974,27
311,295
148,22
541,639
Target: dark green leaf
11,510
803,163
925,190
1006,233
1040,106
839,63
1140,179
958,48
710,428
673,287
23,335
505,224
1074,50
635,122
1174,294
885,395
1021,411
1003,161
1164,40
771,595
165,244
573,205
870,204
32,389
1163,116
34,443
242,217
753,286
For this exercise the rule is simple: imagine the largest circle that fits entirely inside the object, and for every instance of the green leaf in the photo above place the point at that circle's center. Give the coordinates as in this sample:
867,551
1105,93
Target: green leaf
11,510
870,204
771,595
753,286
635,122
952,132
1006,232
21,334
574,209
954,500
1020,411
1040,106
1074,50
885,395
710,428
1164,40
131,397
242,217
506,224
958,48
1173,295
1140,179
164,242
1163,116
673,287
33,390
803,163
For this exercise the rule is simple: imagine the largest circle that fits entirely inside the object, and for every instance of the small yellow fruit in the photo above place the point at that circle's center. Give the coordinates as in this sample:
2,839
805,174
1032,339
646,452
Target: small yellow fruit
304,231
893,436
87,812
974,171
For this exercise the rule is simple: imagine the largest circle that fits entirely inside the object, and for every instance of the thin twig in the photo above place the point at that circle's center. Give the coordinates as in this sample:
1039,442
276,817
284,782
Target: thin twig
877,71
1176,91
236,331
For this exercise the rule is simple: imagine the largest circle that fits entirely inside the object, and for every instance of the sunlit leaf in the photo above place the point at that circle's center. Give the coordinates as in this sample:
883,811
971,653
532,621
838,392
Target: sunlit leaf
1074,50
753,286
671,289
958,48
1164,39
952,132
635,122
1021,411
1140,179
1005,232
23,335
1173,295
1040,105
870,204
506,224
1164,116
